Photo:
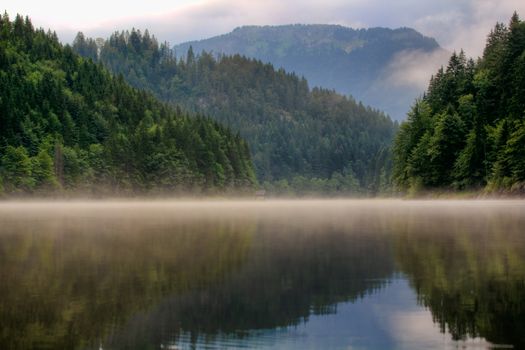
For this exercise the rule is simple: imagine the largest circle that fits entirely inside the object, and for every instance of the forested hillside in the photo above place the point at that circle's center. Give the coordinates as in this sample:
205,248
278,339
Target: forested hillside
351,61
68,125
468,130
300,139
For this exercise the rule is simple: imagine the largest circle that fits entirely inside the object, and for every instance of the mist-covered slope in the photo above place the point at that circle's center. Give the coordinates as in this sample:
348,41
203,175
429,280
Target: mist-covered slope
295,133
366,63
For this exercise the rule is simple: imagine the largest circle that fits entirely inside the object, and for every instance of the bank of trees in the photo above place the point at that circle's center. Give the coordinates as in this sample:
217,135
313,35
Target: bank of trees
294,132
68,124
468,130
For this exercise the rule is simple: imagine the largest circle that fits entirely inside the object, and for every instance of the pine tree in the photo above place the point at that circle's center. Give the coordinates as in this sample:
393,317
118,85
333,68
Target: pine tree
476,131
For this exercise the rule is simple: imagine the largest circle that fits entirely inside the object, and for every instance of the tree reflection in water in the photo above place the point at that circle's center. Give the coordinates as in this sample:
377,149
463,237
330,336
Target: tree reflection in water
141,275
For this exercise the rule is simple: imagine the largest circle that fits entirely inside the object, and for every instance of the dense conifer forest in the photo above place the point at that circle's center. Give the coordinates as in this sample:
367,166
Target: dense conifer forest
68,125
302,140
468,130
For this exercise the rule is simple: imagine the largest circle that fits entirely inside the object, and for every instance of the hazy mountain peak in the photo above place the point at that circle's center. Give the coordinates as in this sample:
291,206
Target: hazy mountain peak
368,64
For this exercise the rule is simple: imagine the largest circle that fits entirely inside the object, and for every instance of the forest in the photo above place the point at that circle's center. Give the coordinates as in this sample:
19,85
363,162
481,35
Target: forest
69,126
87,118
303,140
467,132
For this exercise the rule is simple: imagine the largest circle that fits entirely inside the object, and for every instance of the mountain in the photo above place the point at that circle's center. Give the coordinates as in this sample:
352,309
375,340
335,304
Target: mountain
468,131
304,138
351,61
68,125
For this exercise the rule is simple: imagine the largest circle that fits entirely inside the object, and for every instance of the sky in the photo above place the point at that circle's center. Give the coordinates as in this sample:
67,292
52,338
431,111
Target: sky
455,24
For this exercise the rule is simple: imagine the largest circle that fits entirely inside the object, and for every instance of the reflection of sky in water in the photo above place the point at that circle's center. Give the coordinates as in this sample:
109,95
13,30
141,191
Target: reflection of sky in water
388,319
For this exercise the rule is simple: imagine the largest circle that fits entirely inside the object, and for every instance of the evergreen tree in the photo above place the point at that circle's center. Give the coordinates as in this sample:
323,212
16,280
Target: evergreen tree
68,124
16,170
475,134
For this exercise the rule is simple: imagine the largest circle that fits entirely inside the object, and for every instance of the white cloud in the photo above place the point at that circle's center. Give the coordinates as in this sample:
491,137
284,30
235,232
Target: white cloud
467,27
413,68
416,329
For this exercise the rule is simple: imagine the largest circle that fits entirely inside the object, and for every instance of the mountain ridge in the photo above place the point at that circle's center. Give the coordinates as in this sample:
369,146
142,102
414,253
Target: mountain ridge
351,61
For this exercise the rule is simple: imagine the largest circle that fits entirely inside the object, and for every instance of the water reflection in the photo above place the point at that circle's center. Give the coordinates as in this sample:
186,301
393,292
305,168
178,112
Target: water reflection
269,274
470,271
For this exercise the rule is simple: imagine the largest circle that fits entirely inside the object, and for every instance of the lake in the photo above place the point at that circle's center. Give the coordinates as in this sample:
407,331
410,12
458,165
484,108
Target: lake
331,274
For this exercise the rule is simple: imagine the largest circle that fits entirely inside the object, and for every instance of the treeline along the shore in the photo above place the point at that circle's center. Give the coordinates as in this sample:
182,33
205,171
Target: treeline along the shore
468,130
71,123
67,124
302,140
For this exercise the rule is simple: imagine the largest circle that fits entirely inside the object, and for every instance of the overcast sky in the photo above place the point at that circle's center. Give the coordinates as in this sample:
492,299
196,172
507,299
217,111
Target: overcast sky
454,23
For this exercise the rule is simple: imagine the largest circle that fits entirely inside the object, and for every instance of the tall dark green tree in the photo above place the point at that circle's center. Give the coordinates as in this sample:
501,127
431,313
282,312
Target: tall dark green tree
475,135
68,124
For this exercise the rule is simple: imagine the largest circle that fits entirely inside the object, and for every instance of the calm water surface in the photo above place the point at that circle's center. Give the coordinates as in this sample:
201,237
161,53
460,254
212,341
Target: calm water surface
273,274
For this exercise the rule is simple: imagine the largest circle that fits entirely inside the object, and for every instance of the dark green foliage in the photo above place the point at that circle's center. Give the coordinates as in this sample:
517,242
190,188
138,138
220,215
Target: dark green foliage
473,132
409,137
445,143
17,169
67,123
292,131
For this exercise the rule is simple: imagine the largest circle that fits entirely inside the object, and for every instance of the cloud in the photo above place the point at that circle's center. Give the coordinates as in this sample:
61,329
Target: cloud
412,68
403,79
467,26
416,329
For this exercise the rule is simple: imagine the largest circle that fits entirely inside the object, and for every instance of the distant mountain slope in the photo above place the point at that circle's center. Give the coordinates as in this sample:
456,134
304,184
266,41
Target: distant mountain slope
351,61
293,132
